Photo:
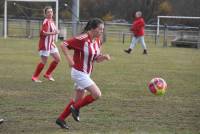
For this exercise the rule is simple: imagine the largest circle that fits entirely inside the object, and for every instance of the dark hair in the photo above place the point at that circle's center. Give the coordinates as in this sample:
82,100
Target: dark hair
46,8
92,24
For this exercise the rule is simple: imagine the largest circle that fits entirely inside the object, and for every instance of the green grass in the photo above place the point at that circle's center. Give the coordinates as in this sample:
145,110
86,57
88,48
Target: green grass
126,105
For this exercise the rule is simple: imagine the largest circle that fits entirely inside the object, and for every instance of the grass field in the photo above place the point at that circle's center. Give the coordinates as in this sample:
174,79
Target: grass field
126,105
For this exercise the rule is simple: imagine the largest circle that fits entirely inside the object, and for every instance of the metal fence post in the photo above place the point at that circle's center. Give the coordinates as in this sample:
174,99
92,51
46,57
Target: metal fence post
123,35
155,36
165,35
198,40
157,40
104,33
28,28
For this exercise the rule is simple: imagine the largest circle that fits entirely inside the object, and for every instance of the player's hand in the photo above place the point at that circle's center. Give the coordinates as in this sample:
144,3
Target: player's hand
107,56
57,31
71,63
101,58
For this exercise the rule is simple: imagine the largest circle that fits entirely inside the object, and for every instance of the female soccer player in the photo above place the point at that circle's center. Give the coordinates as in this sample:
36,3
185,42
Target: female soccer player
47,46
86,49
138,33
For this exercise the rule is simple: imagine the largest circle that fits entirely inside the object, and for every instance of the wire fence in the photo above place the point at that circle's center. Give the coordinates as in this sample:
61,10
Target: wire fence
116,32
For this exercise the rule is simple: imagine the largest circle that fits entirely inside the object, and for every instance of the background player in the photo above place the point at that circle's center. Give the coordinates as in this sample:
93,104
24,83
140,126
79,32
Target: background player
47,46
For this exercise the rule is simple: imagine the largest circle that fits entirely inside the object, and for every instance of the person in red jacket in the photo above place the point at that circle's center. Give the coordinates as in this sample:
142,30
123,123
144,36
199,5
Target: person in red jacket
138,33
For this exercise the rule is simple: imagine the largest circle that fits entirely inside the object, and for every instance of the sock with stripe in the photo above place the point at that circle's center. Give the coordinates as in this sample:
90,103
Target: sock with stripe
85,101
52,66
38,69
67,111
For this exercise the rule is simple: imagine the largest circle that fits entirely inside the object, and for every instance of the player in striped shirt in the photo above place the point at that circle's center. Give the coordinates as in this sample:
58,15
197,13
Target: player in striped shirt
87,50
47,46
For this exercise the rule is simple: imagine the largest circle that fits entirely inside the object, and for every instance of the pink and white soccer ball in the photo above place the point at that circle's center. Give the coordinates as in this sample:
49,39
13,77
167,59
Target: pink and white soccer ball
158,86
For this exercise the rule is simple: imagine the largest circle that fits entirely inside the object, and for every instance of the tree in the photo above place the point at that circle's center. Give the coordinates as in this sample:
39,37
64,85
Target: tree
112,9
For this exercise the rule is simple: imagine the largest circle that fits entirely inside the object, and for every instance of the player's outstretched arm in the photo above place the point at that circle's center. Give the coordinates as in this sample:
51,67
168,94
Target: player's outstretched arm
51,33
102,57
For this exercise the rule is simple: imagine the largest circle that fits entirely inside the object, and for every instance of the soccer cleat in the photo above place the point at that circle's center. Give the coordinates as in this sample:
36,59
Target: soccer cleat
75,113
128,51
35,79
62,124
145,51
49,77
1,121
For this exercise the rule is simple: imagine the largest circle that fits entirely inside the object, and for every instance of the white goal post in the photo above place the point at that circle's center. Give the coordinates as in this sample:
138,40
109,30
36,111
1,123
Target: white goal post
171,17
5,12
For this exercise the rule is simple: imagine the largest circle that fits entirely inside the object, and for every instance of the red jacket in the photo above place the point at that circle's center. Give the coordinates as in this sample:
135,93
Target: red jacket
138,27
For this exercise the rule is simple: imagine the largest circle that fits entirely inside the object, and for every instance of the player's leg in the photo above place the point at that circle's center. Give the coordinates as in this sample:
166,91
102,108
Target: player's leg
83,81
79,94
61,119
141,39
132,45
95,94
52,66
39,68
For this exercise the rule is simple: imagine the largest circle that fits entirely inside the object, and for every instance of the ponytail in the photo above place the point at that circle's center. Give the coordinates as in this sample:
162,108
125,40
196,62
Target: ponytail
92,24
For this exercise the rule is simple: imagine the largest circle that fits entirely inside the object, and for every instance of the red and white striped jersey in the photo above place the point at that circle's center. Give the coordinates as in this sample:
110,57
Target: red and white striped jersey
46,42
85,52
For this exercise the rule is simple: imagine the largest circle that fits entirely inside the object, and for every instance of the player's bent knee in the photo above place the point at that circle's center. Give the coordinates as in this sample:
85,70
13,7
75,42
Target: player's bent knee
97,95
57,60
95,91
44,62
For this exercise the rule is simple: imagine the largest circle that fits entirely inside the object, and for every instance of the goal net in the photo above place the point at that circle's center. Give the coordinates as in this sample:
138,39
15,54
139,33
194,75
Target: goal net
24,25
180,31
